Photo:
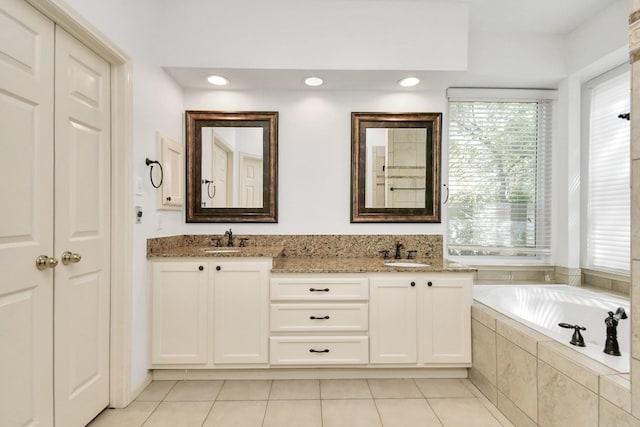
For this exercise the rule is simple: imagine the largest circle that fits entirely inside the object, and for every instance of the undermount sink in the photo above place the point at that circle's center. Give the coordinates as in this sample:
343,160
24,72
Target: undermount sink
222,251
405,264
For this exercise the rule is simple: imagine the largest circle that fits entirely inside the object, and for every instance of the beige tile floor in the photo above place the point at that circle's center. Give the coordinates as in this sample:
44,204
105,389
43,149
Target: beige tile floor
307,403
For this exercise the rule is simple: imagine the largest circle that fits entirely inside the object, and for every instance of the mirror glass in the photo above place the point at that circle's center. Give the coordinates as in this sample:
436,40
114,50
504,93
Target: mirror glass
231,166
395,167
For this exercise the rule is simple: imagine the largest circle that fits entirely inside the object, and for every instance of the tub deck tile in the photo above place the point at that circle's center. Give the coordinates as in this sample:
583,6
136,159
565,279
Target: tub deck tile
577,366
521,335
617,390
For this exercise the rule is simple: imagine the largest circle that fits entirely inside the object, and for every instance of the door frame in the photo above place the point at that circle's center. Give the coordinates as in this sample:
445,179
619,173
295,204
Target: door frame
120,387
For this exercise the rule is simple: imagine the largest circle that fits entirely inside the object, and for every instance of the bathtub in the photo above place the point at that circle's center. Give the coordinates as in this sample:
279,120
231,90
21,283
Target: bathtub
542,307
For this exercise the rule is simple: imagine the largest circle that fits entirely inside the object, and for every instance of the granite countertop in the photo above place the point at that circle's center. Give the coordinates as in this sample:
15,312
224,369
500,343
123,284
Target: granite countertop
223,251
309,264
361,265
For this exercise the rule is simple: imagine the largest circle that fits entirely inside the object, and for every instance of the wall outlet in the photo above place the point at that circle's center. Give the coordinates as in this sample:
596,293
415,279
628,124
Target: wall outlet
138,214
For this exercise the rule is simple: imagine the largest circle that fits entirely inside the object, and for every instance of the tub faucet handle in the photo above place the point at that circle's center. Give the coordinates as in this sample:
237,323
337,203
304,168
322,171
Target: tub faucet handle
576,338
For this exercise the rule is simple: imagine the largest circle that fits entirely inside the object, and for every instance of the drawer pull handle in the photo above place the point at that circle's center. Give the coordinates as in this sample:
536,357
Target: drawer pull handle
318,290
319,318
311,350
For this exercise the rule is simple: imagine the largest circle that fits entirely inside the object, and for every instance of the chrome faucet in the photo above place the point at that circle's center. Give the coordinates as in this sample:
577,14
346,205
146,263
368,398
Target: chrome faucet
611,344
229,234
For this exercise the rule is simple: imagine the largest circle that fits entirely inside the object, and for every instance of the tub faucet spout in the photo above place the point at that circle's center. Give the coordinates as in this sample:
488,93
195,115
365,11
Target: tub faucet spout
611,344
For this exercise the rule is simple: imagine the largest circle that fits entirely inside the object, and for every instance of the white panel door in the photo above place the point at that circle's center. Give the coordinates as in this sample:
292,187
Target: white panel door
26,218
82,210
393,323
220,173
250,181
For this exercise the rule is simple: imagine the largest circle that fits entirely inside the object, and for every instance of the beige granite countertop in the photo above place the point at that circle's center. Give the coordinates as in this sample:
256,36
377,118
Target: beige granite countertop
361,265
223,251
309,264
314,253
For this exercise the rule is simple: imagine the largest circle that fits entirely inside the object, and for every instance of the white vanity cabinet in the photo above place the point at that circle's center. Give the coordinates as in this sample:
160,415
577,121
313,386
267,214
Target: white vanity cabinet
209,312
421,319
446,318
180,306
319,320
394,321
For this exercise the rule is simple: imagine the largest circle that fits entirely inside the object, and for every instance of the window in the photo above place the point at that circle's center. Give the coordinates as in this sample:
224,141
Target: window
608,207
499,176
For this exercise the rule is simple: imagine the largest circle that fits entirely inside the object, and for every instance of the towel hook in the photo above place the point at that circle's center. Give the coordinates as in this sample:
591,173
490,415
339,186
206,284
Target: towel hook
151,163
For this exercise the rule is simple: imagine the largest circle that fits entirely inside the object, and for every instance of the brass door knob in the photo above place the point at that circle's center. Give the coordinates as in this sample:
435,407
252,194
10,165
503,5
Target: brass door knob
70,258
43,262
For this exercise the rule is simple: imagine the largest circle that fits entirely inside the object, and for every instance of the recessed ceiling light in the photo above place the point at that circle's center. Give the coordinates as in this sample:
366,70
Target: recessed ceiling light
409,81
217,80
313,81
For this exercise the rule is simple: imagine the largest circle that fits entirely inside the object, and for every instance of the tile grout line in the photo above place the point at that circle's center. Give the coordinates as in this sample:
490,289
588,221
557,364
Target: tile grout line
215,399
375,404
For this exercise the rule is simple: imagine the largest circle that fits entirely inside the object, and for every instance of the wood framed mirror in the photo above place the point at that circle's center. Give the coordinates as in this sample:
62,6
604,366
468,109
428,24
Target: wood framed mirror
232,166
395,167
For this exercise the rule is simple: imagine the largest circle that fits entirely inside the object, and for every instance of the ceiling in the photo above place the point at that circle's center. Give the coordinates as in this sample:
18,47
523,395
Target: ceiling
540,17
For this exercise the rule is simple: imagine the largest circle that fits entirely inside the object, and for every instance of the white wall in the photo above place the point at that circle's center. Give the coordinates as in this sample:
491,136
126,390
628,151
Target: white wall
328,34
314,162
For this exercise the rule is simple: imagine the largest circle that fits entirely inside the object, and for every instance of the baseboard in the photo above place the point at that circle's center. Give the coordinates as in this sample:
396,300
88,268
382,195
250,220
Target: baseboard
307,373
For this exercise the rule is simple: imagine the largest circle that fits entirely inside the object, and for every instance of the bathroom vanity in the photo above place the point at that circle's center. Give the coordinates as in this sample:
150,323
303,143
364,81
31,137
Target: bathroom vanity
265,307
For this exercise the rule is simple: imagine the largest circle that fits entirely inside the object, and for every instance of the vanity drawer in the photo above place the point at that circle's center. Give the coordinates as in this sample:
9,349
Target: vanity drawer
319,317
319,350
319,289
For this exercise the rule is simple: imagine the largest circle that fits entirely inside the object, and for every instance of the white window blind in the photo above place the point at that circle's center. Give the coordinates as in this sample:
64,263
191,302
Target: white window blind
609,196
499,178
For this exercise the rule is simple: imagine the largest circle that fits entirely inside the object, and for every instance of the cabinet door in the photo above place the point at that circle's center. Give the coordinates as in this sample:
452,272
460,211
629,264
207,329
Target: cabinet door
241,312
392,308
179,312
172,191
447,320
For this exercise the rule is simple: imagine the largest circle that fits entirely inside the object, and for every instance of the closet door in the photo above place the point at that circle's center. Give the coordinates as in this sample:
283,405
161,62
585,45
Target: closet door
82,232
26,216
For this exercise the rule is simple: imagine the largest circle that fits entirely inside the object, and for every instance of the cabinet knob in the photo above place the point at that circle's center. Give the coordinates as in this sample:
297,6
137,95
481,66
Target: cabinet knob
201,267
429,284
169,199
218,268
413,284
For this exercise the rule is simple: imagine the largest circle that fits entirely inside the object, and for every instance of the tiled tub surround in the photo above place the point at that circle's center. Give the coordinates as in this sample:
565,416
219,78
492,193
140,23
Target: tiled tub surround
536,381
542,307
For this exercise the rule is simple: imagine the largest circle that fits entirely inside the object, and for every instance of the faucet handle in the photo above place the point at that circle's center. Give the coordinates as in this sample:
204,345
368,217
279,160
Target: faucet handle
217,241
384,253
243,241
411,254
